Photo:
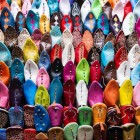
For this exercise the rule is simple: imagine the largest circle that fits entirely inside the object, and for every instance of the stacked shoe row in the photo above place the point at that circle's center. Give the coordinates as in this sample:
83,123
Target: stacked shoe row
69,70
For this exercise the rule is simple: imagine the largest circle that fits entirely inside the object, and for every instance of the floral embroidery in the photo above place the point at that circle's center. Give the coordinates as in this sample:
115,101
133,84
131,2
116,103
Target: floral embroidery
6,20
20,22
28,117
3,119
67,23
56,21
131,23
102,23
116,24
18,134
77,38
123,56
32,21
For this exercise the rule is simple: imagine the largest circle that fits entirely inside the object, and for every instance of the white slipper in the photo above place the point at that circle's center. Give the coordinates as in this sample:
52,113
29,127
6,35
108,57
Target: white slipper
66,38
81,93
123,72
128,22
134,55
118,10
24,34
85,9
64,6
30,70
68,54
85,132
14,9
44,9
